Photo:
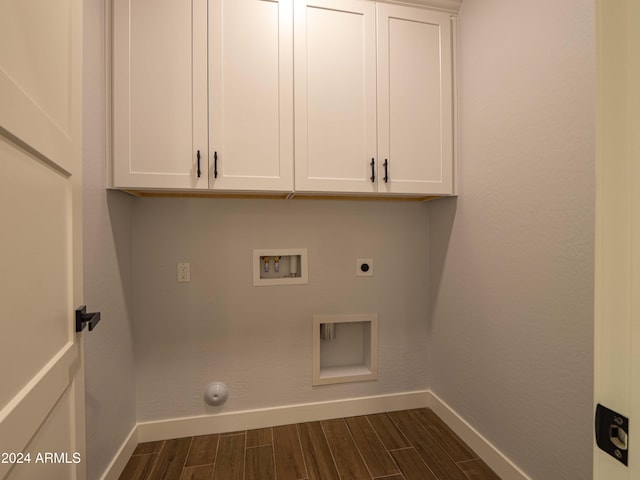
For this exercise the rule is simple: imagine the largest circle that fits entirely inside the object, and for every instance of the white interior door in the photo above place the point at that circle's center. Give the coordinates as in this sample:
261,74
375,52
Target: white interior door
41,372
617,288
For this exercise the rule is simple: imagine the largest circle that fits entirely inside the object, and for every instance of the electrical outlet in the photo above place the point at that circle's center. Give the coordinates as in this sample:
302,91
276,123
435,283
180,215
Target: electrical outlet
364,267
183,272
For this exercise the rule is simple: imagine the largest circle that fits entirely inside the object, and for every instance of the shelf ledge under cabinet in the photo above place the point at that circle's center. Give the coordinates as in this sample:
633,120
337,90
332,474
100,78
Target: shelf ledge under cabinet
280,196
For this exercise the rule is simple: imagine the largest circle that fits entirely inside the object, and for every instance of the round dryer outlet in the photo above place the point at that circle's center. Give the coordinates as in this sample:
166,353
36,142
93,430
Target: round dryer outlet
364,267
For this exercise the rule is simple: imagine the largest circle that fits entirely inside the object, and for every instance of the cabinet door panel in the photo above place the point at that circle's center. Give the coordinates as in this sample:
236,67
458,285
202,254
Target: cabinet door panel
251,94
160,91
335,96
415,99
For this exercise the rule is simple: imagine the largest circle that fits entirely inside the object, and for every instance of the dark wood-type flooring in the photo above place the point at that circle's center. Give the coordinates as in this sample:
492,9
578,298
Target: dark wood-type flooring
404,445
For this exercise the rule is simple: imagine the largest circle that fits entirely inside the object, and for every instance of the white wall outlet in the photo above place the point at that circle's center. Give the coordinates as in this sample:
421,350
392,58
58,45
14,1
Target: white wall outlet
364,267
183,272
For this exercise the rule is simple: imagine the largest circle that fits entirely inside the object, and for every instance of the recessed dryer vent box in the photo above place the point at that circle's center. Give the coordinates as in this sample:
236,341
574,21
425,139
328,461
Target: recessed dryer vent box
349,350
280,266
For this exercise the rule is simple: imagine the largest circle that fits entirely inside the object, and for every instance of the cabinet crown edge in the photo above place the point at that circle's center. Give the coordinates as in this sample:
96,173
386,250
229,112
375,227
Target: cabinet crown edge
451,6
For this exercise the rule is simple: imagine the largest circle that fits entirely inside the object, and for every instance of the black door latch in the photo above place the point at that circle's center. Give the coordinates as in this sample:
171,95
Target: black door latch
612,433
83,319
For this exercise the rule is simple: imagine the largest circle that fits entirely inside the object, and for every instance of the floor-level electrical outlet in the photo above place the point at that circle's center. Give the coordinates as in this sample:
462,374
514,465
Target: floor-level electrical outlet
183,273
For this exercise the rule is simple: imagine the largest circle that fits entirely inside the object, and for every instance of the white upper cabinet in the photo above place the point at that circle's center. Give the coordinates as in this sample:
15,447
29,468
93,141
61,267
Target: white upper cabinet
251,95
374,98
335,96
203,95
160,94
219,94
415,83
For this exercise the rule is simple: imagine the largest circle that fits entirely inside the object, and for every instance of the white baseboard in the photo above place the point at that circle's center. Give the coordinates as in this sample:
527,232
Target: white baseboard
269,417
116,467
498,462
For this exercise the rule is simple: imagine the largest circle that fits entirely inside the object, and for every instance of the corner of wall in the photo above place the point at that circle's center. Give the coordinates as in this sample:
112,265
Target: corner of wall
107,245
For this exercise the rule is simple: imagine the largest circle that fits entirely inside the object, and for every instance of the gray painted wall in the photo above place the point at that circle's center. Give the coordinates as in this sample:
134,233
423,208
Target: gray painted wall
512,258
257,340
110,388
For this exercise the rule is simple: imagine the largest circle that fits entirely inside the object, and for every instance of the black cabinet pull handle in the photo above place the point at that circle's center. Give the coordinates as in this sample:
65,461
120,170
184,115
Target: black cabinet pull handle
215,164
198,156
386,171
373,170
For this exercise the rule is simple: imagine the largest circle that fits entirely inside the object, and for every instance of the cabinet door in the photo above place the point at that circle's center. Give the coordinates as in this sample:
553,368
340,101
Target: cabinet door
160,94
251,95
335,95
415,85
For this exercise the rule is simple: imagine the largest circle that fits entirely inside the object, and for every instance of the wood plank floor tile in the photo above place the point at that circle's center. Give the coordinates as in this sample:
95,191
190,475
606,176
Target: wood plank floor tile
405,445
317,456
391,437
345,453
432,454
259,437
449,441
288,453
203,450
171,459
201,472
230,458
411,465
258,464
139,467
148,447
477,470
373,452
